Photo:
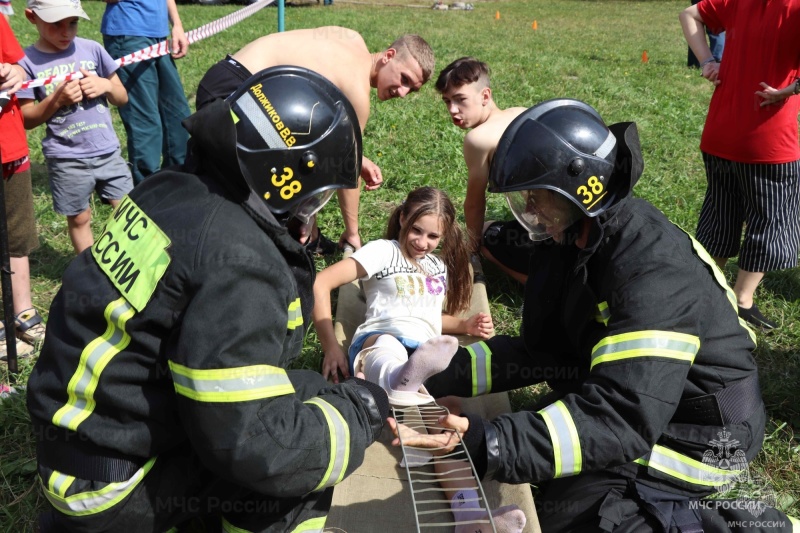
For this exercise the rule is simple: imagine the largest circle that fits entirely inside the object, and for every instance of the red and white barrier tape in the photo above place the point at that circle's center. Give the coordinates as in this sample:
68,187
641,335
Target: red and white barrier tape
162,48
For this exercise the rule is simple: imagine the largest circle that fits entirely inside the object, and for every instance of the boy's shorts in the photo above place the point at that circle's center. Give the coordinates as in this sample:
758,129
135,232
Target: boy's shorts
72,181
22,238
509,244
220,81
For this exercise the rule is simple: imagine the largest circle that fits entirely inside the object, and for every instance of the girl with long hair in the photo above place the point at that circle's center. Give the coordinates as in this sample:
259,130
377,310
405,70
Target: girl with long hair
407,287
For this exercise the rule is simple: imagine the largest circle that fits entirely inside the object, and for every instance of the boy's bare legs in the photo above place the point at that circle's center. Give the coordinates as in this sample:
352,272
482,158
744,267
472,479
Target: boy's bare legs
80,230
21,283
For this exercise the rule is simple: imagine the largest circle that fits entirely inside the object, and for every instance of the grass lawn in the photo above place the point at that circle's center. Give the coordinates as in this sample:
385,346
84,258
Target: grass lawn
590,50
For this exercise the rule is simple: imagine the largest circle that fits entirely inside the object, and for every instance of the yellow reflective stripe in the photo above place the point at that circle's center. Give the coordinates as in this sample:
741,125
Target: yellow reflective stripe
603,314
93,502
59,483
238,384
703,254
652,343
795,523
295,315
481,361
564,436
227,527
132,252
687,469
339,434
313,525
94,358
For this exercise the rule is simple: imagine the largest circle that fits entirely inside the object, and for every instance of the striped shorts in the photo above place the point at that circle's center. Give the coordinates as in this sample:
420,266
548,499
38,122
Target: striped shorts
764,199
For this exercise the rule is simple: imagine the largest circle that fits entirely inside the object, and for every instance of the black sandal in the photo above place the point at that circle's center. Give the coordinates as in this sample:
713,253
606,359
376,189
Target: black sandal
23,348
30,327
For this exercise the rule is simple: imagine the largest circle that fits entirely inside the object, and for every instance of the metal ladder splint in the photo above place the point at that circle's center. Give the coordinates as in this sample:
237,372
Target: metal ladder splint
425,470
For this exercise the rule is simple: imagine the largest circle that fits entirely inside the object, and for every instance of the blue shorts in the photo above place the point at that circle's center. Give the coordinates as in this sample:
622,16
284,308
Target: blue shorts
72,181
356,346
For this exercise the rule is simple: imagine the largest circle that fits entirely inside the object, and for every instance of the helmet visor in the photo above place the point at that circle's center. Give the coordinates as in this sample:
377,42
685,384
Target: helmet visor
544,213
309,207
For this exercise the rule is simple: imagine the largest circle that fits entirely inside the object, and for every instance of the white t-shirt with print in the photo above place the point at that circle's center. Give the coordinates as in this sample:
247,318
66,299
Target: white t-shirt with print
401,300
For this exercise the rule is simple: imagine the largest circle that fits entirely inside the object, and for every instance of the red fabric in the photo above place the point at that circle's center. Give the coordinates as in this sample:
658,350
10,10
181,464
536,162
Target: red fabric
761,45
13,143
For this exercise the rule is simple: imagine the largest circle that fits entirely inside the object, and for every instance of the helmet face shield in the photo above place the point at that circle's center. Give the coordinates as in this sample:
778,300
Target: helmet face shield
309,207
562,145
543,212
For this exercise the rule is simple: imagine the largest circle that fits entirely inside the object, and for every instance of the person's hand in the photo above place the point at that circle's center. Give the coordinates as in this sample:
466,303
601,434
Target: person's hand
179,45
333,363
771,95
11,78
92,85
711,72
480,325
68,93
353,238
439,443
371,174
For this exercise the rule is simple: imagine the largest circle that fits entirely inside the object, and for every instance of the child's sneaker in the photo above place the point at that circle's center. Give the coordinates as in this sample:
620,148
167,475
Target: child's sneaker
23,348
30,327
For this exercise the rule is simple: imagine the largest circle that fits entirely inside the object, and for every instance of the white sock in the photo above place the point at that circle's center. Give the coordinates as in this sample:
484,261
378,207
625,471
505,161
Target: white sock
430,358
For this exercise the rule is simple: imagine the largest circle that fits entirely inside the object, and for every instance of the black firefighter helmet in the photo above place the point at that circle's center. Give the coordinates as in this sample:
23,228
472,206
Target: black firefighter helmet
562,150
297,139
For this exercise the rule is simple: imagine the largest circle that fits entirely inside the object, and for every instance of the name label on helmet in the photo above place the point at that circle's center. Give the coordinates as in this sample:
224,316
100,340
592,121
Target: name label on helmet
280,127
592,192
132,251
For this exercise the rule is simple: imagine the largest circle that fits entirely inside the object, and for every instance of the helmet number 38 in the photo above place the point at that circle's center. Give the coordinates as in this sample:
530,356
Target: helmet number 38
288,190
592,192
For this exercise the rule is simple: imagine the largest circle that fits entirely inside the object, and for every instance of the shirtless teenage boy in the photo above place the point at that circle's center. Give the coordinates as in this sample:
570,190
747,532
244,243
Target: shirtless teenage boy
464,86
340,55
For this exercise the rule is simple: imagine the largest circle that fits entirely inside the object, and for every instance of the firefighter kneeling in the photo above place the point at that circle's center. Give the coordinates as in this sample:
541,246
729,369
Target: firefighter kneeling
655,402
161,392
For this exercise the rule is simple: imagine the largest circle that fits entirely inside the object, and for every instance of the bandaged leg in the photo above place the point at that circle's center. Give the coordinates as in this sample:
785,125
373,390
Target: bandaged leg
466,508
386,363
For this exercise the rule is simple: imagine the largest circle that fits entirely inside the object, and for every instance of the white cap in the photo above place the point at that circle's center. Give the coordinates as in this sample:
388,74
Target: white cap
56,10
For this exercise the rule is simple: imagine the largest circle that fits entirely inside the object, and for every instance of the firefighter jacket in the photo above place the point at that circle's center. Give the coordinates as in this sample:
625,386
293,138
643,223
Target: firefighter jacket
638,335
178,324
